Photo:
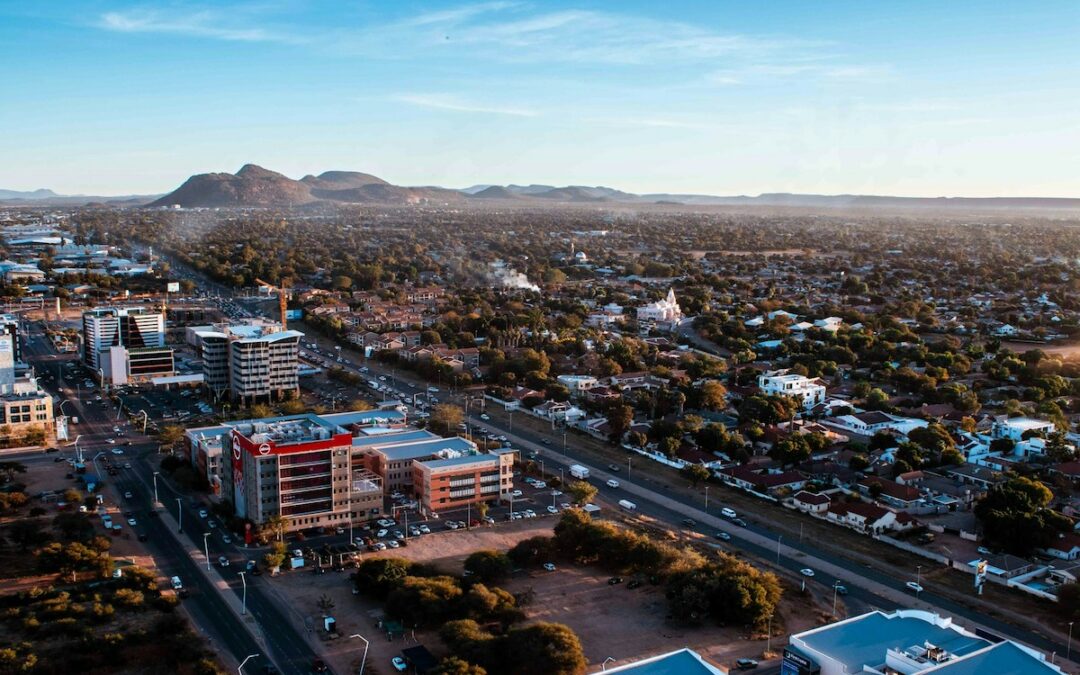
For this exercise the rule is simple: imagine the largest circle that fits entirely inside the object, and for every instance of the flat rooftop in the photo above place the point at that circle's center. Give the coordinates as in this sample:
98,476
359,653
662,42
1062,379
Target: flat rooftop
682,662
289,429
864,640
460,461
446,447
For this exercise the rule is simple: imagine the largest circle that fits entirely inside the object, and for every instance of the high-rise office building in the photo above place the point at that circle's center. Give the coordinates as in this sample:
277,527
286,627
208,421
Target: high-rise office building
126,344
252,361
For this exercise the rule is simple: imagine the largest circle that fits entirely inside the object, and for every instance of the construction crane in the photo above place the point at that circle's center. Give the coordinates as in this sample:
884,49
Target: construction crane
283,298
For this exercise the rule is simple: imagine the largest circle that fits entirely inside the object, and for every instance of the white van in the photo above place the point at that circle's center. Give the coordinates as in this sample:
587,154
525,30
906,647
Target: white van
627,504
613,483
728,513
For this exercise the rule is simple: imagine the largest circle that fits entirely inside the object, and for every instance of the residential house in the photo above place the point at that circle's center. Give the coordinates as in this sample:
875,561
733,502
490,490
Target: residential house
811,502
892,493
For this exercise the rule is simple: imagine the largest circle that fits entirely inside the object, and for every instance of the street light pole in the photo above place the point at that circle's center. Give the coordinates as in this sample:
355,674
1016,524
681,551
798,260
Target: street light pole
778,538
179,516
835,586
206,548
243,605
363,660
1068,646
627,468
240,668
155,486
918,579
706,497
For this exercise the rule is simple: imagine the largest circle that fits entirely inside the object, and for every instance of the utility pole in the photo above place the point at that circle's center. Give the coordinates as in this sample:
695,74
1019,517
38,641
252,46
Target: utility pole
243,605
179,516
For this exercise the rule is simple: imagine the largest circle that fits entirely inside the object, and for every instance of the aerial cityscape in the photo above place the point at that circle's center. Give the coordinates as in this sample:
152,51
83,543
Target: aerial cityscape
491,338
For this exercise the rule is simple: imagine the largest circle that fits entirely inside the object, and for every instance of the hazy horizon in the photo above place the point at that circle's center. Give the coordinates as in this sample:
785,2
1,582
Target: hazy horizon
913,100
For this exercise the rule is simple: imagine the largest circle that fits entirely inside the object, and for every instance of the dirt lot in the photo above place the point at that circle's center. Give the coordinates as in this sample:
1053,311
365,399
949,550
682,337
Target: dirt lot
610,620
45,475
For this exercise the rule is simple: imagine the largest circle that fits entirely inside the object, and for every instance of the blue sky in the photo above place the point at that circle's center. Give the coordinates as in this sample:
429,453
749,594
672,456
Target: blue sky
904,98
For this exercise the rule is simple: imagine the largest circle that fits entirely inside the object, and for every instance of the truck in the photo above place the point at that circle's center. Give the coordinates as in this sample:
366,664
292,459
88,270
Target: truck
627,505
590,508
579,472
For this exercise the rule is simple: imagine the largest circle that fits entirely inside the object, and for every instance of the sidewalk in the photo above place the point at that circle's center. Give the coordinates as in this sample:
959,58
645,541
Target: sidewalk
821,566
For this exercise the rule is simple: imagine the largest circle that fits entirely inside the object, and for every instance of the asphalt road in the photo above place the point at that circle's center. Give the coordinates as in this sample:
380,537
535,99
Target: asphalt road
289,651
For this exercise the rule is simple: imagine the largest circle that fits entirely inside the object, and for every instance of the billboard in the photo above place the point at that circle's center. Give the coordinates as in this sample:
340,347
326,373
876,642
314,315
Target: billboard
173,287
239,502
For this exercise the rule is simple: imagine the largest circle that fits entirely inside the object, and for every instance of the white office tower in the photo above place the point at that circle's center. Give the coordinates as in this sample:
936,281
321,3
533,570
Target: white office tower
126,344
7,363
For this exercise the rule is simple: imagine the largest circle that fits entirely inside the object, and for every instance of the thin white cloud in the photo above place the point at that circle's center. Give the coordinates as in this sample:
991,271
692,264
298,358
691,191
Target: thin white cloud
756,73
652,122
445,102
458,14
196,23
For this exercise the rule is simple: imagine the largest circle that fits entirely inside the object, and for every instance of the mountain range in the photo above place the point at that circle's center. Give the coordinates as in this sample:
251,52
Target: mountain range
253,186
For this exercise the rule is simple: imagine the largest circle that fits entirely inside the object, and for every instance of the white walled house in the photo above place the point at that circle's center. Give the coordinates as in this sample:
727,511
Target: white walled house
808,391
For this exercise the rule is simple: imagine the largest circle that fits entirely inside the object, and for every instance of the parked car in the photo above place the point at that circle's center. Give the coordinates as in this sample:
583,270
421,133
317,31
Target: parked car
399,664
550,567
552,510
746,664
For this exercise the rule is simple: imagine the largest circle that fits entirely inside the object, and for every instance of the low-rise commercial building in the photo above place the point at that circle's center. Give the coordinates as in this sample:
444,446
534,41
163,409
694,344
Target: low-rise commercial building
444,484
905,642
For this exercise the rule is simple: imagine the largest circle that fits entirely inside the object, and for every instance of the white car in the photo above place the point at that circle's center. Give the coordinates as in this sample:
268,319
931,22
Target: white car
424,529
111,442
552,509
914,586
202,513
115,451
223,561
550,567
381,533
131,522
612,483
556,493
393,543
516,493
399,664
485,417
451,525
176,583
806,572
127,495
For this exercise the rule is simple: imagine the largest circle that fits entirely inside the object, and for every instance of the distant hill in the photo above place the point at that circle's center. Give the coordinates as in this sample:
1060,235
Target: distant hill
254,186
32,195
495,192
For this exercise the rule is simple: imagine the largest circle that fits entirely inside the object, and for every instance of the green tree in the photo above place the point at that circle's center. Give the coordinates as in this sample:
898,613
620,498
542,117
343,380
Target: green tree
877,399
619,417
695,473
488,565
453,665
1015,518
581,492
446,417
713,395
